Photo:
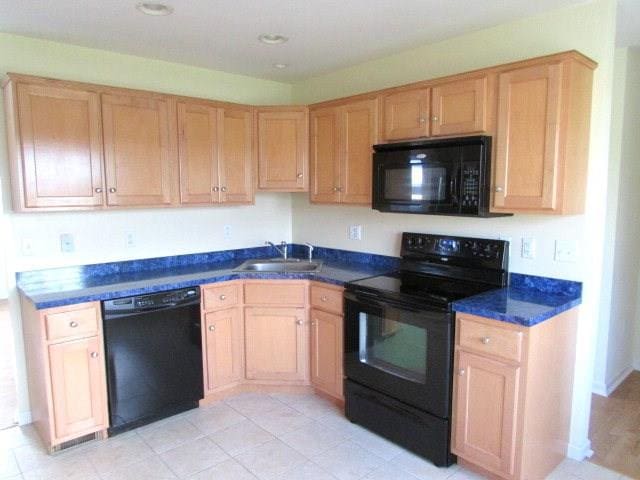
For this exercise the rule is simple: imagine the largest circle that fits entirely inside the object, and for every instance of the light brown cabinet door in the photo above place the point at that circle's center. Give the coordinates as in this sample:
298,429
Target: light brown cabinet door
198,153
486,393
406,114
61,150
459,107
223,348
282,150
137,149
326,352
325,155
235,155
526,170
360,120
78,387
276,344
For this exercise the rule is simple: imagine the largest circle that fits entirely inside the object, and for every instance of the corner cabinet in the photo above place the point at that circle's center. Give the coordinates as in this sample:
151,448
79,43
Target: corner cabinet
542,137
283,139
66,371
341,144
512,395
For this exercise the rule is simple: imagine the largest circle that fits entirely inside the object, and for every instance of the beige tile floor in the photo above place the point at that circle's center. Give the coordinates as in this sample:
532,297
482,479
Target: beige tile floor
246,437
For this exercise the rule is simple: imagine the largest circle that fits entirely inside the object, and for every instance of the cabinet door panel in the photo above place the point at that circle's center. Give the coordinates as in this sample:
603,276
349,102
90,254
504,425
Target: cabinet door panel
325,155
137,150
282,150
527,141
197,153
326,352
276,344
359,135
406,114
61,146
486,412
78,387
235,155
224,353
459,107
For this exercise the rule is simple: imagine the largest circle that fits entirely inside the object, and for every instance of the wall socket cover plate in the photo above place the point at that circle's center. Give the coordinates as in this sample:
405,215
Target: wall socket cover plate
566,251
528,248
66,243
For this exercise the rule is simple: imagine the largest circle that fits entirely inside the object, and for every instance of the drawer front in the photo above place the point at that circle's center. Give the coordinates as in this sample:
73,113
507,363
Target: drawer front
221,296
72,323
276,293
489,339
326,299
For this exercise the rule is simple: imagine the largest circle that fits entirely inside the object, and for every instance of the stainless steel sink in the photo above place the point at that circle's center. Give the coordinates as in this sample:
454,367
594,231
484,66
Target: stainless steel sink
279,265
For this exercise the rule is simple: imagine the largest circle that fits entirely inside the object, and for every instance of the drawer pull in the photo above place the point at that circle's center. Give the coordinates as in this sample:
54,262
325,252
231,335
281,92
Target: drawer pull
94,354
223,297
299,322
212,328
324,298
461,372
485,340
73,324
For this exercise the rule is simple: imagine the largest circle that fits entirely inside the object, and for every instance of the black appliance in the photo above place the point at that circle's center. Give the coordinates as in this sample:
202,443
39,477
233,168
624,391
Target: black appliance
439,177
399,335
154,356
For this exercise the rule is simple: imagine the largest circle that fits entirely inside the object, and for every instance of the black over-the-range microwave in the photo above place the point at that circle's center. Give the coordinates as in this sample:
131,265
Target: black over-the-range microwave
436,177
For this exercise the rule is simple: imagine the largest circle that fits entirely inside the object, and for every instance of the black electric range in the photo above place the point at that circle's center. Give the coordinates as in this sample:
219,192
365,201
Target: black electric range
399,333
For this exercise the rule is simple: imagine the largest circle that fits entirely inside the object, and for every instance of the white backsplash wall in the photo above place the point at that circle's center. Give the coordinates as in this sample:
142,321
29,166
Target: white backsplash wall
102,236
328,226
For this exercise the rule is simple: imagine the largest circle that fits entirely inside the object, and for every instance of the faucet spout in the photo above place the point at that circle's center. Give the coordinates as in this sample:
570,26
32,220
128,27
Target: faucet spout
282,249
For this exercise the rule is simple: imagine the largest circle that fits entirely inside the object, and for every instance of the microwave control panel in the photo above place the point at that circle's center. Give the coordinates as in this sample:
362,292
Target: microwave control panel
470,191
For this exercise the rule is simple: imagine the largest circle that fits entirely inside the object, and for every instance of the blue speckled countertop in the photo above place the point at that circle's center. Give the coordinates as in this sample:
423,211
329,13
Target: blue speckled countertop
527,301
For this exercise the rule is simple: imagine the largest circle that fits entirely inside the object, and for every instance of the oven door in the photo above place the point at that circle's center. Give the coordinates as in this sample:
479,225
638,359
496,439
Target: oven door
401,350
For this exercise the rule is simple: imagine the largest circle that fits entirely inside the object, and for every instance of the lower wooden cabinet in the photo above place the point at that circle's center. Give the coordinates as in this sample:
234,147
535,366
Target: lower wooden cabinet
326,352
276,344
512,395
66,374
224,348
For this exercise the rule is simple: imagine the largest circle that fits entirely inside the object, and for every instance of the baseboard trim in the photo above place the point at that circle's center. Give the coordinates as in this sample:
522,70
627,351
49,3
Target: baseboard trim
580,452
24,418
600,388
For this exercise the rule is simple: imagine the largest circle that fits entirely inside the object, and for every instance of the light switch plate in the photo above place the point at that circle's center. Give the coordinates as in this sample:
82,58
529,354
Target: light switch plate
226,232
355,232
130,240
66,243
528,248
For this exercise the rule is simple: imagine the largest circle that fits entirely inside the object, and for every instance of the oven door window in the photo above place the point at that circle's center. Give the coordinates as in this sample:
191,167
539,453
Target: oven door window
394,347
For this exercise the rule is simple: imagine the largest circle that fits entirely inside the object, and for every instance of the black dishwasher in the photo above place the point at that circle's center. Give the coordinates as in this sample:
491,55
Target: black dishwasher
154,356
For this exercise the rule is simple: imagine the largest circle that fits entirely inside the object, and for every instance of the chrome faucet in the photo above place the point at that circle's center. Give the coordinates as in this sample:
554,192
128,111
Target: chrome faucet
310,247
282,249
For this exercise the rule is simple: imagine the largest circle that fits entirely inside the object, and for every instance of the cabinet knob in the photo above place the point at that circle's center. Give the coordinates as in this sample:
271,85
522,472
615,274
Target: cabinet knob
223,297
212,328
435,118
223,189
94,354
335,189
299,175
215,189
499,189
73,324
485,340
299,322
98,189
313,323
423,120
461,372
324,298
112,190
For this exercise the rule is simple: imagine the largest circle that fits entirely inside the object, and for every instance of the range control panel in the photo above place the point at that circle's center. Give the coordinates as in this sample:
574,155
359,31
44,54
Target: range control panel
424,246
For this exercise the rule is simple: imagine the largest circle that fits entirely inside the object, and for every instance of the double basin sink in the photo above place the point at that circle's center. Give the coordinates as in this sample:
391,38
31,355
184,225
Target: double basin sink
280,265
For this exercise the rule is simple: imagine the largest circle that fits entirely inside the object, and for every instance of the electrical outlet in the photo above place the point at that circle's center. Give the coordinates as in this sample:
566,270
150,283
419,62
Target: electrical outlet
226,232
566,251
26,247
355,232
66,243
130,240
528,248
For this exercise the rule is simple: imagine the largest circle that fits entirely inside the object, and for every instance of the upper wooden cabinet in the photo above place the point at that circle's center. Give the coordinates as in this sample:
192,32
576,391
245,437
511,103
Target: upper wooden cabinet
341,152
215,154
406,114
459,107
543,137
55,146
282,148
138,150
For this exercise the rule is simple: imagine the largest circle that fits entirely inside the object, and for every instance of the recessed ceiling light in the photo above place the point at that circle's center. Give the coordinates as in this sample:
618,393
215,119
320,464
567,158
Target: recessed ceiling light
272,38
155,9
280,65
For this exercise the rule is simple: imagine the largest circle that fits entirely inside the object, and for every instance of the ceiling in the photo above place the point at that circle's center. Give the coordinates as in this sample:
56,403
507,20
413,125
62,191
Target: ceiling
324,35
